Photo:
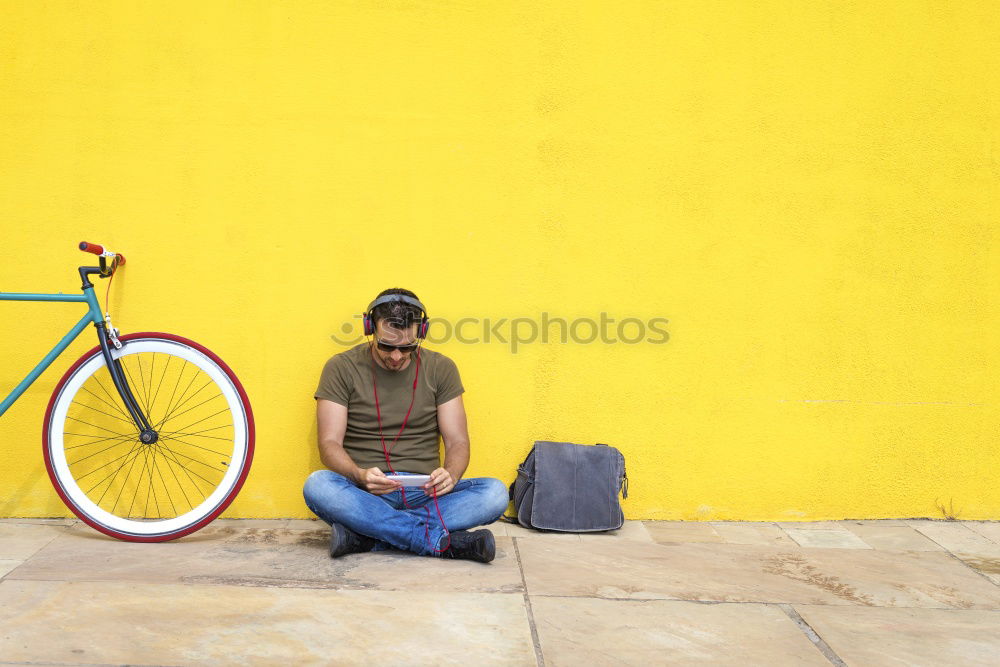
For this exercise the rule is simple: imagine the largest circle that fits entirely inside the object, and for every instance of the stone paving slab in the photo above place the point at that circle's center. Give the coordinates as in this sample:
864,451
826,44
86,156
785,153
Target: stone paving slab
970,546
988,529
761,534
826,539
8,565
252,584
253,523
42,521
669,532
519,531
20,541
894,537
588,631
812,525
630,530
987,565
882,636
877,522
230,554
741,573
174,624
955,536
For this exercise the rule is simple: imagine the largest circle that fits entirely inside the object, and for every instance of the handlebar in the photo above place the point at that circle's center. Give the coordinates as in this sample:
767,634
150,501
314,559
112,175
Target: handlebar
98,249
105,254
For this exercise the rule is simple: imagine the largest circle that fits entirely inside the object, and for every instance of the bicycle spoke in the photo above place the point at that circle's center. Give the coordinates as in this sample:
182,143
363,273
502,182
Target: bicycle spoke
145,511
191,444
95,442
177,452
189,470
146,386
176,479
214,414
180,400
178,414
108,414
145,460
122,442
93,425
128,475
125,415
226,409
118,407
149,388
136,448
163,375
141,389
199,433
104,465
111,483
165,489
170,401
134,386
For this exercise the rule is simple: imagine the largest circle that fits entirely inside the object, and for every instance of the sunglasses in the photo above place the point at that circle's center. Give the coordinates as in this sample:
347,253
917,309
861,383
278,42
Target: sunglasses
386,347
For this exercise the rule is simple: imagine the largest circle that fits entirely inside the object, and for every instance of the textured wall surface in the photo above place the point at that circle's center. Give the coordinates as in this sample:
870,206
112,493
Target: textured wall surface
807,192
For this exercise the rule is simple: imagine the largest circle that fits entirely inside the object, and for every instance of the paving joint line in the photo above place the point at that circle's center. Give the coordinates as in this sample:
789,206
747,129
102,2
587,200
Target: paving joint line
813,636
616,599
981,574
766,603
536,642
950,553
75,664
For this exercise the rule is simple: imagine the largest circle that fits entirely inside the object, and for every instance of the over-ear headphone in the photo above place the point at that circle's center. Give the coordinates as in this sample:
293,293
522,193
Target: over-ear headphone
368,318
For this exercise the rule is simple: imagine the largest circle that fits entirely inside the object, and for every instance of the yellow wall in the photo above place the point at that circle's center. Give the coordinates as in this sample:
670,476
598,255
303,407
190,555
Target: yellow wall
807,191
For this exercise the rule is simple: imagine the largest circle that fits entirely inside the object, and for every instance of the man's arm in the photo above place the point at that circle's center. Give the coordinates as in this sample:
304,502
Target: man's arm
331,419
455,433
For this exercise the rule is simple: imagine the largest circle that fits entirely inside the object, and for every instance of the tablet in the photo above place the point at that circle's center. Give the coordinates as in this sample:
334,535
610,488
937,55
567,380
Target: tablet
409,480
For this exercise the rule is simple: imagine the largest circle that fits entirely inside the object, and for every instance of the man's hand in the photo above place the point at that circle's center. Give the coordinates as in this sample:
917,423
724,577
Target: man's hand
441,482
375,482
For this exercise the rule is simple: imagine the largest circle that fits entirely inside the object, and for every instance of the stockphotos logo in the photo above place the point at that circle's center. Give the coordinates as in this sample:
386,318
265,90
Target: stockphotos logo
520,331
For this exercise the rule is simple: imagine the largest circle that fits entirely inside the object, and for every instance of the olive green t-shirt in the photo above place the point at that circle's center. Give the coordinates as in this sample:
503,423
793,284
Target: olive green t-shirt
347,380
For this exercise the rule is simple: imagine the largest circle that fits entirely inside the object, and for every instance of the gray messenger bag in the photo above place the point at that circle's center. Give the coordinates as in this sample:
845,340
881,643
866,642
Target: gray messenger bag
570,488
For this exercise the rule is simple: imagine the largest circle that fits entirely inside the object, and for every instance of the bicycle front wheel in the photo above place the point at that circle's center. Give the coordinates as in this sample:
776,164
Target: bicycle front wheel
165,489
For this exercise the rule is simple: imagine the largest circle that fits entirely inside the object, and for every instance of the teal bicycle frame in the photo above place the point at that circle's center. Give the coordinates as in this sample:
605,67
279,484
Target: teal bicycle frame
146,432
93,316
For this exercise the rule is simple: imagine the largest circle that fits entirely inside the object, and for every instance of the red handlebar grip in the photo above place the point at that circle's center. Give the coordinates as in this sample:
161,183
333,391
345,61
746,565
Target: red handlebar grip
91,247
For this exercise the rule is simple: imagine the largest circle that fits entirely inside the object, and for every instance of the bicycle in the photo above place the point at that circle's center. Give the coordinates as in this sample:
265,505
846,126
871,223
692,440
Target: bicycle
154,404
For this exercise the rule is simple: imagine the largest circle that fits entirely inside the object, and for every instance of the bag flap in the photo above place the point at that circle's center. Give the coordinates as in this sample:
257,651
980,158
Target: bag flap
576,487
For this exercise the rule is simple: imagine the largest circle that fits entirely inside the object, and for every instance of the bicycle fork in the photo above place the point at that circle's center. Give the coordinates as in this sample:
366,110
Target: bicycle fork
147,434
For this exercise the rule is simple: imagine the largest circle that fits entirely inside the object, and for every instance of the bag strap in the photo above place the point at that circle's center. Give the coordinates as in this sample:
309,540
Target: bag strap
623,485
510,495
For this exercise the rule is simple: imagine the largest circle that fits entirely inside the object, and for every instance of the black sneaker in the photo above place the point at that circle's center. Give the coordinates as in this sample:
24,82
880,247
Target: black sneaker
343,541
478,545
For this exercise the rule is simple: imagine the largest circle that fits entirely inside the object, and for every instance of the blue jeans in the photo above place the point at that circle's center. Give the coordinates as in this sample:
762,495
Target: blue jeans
473,502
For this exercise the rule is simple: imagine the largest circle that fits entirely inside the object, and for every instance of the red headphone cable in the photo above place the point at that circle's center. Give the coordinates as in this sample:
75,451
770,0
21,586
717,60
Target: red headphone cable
386,451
